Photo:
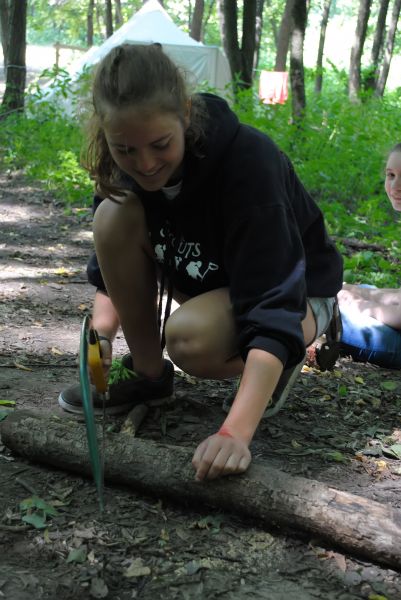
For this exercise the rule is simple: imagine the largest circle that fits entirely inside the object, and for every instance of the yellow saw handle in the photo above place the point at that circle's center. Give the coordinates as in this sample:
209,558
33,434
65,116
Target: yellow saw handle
95,362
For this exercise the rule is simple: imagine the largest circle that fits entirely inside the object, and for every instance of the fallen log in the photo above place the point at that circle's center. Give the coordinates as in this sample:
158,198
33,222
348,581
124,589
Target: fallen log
360,526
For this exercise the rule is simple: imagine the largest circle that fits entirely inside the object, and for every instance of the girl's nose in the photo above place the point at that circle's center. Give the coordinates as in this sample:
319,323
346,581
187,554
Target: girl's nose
145,163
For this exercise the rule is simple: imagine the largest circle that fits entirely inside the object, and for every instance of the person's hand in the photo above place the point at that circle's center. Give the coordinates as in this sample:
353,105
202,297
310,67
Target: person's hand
106,349
221,454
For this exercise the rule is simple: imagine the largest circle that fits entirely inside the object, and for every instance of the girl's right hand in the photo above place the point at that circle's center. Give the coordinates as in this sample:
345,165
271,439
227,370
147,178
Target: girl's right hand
107,353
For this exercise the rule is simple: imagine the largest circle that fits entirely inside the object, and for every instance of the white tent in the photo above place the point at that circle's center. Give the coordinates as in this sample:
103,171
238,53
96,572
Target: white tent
153,24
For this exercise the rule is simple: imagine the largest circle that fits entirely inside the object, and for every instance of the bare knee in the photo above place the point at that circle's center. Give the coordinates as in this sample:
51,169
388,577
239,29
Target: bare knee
186,346
116,222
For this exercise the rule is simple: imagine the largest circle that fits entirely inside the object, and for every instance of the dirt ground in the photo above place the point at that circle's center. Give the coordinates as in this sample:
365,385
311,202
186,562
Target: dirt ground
340,428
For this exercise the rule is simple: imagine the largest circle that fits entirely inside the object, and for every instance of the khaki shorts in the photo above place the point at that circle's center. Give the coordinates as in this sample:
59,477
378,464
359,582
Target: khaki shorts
322,309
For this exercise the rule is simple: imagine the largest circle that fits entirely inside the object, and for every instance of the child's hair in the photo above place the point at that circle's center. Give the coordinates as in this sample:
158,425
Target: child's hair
144,77
396,148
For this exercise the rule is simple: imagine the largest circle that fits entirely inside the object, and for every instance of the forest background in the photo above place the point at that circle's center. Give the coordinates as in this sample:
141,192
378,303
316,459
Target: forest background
341,118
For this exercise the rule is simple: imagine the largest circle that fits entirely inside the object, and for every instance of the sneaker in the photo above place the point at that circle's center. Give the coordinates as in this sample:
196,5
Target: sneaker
280,394
126,394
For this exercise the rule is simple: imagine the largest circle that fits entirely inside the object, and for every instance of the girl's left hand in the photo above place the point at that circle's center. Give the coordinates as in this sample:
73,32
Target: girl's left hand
220,455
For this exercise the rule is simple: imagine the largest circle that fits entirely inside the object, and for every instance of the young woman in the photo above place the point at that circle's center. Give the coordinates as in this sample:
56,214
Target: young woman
371,317
212,210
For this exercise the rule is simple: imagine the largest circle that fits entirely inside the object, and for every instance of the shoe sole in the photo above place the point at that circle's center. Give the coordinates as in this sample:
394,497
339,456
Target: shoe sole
114,410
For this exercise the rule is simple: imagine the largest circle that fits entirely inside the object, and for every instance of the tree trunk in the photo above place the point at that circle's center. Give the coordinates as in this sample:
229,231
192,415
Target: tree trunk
319,62
360,526
297,78
209,13
382,79
228,23
354,84
89,23
109,19
14,94
258,32
284,35
196,21
5,29
377,48
248,41
118,14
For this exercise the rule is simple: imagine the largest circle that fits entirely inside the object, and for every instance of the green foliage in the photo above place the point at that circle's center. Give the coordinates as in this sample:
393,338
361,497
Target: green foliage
339,153
46,144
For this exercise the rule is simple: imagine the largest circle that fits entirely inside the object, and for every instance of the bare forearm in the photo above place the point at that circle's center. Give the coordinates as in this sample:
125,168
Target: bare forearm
378,303
261,374
104,316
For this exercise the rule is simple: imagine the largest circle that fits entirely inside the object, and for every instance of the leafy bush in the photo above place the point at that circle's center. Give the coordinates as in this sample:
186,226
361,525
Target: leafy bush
339,154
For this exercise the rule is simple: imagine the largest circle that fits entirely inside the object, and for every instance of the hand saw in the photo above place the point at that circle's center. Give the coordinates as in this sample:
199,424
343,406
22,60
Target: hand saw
90,359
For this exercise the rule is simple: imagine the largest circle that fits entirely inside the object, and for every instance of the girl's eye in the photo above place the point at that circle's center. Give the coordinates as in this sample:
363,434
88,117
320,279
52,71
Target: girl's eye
163,146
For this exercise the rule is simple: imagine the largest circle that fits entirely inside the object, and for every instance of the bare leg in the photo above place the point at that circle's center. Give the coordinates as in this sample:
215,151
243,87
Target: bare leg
127,263
202,340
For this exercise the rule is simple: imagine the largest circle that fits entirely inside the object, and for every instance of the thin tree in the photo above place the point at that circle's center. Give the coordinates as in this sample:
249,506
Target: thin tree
239,58
297,76
283,37
354,83
258,31
208,13
4,28
14,94
109,19
320,52
118,14
377,47
196,21
388,53
89,23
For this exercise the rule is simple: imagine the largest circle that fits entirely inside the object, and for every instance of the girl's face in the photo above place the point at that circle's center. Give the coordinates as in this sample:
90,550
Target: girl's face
393,179
147,146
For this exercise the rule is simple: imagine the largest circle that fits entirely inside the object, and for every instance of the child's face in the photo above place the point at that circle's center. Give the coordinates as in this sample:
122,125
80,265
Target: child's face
393,179
148,147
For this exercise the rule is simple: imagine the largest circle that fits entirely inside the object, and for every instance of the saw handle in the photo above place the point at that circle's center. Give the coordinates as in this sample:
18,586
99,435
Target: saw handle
95,362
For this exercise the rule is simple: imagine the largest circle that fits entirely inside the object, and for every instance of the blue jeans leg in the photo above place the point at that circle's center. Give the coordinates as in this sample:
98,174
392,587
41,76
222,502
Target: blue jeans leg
369,340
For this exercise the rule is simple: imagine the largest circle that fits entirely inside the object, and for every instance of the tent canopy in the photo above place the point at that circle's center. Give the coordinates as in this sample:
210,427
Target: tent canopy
153,24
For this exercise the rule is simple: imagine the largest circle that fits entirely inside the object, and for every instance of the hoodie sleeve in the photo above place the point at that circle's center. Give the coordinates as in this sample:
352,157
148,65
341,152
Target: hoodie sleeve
263,252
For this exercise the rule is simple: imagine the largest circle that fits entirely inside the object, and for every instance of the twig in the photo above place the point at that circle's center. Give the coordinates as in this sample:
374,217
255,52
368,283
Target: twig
26,485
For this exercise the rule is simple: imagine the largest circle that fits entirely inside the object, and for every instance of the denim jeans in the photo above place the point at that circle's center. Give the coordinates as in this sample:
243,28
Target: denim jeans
369,340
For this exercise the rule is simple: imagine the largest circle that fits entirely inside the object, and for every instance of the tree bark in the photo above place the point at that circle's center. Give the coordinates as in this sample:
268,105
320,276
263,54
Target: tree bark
109,19
248,41
284,35
196,21
322,38
382,79
5,29
118,15
360,526
239,58
14,94
258,31
297,76
89,23
377,48
354,84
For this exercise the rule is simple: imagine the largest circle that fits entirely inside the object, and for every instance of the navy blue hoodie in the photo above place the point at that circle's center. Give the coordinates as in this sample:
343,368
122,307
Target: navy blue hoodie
243,220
